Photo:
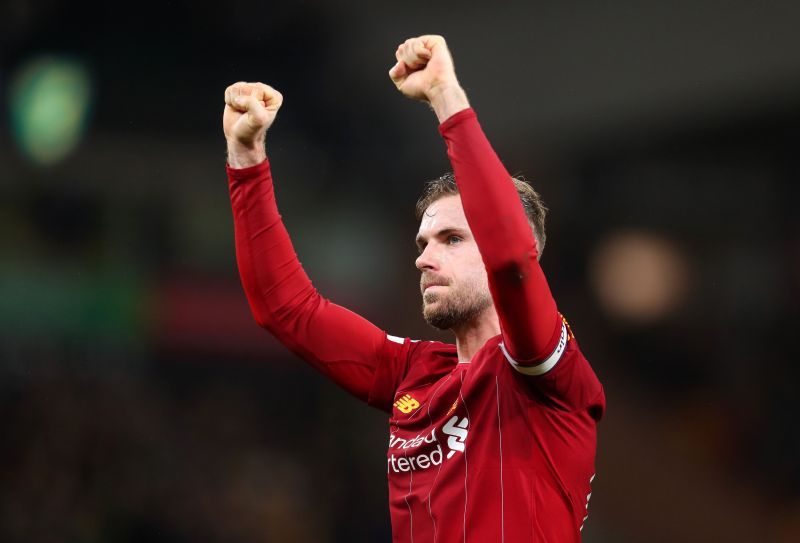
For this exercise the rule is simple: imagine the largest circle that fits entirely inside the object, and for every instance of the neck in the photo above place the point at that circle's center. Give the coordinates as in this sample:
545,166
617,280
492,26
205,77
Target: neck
471,336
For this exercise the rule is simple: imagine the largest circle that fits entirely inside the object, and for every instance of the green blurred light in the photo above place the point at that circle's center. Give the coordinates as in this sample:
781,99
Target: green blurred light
50,99
65,302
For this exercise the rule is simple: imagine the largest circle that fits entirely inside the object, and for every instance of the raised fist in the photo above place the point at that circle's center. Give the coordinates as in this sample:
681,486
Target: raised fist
250,109
424,67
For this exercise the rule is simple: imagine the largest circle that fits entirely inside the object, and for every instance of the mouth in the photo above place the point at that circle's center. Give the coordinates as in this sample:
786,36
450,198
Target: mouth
431,282
433,293
428,287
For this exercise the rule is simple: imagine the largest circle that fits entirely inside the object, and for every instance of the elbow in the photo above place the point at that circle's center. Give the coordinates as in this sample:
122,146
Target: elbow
262,321
280,332
513,265
262,317
278,315
514,255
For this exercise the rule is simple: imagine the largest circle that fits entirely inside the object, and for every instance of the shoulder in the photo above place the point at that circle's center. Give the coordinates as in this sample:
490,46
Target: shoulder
564,381
572,385
421,350
433,350
404,362
428,361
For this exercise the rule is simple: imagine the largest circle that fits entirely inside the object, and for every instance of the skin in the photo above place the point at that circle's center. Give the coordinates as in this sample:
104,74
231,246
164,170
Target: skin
423,71
454,284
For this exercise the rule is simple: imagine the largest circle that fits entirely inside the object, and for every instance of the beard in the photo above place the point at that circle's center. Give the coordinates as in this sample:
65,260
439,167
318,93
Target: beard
456,306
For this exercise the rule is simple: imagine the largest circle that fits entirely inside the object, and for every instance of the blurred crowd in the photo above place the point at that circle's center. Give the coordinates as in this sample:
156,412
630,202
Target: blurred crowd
164,460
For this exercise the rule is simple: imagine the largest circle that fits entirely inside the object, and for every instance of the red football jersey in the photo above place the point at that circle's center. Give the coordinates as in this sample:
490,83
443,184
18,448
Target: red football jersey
481,452
500,448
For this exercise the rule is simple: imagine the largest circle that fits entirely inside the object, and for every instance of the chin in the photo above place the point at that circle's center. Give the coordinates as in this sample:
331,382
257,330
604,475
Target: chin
437,316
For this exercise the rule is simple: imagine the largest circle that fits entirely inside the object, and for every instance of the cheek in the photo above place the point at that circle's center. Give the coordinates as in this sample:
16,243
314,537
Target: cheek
474,272
480,278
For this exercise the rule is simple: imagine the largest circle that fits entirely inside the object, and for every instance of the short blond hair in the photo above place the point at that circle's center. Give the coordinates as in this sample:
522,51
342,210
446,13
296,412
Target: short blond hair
532,202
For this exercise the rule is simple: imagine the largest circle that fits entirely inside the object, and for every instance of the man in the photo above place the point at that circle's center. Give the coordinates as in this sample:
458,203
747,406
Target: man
491,439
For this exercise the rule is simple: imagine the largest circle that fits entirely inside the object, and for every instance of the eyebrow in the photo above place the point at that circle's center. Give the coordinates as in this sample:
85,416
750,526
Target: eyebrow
421,240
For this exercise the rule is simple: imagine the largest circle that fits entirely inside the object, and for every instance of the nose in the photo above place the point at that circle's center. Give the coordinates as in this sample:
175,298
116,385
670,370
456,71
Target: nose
427,259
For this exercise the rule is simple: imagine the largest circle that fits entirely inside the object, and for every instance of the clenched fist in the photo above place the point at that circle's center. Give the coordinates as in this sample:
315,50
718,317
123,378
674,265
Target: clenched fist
424,71
250,109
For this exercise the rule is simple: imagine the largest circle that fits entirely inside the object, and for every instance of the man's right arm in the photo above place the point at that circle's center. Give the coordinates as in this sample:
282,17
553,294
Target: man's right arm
350,350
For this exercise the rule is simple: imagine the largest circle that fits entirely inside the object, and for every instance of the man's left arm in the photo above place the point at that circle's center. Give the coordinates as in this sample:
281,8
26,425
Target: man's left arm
534,335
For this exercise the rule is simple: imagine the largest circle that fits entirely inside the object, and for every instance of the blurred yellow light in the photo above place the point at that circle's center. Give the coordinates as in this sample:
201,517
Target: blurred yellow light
638,276
49,100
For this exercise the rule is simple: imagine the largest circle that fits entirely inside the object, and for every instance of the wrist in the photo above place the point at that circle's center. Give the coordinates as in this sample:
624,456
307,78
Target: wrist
241,155
446,100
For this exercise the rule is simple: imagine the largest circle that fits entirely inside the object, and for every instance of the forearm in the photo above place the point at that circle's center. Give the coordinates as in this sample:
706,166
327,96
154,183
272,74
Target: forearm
491,202
448,99
339,343
271,274
242,155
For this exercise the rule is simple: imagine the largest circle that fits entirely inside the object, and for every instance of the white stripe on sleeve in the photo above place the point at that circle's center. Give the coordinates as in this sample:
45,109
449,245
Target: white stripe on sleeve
547,364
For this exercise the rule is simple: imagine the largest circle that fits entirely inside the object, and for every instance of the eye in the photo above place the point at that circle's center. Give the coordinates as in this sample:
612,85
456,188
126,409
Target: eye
452,240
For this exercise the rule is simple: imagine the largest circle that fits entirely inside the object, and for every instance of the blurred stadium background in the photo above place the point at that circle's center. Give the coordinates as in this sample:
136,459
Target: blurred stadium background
140,402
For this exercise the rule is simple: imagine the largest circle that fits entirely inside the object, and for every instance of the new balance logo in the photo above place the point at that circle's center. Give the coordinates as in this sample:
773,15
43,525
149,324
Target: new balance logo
406,404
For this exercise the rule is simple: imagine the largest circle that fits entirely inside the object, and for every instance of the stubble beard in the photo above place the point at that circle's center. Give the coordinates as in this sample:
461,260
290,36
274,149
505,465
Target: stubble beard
459,306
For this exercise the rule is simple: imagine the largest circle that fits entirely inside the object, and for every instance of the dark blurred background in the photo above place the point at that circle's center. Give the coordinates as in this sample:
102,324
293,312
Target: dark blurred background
139,401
